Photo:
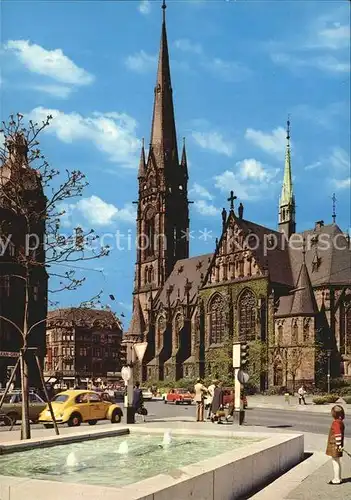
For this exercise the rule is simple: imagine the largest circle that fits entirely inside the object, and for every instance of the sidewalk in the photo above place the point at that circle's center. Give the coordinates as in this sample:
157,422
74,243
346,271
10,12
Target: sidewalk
279,403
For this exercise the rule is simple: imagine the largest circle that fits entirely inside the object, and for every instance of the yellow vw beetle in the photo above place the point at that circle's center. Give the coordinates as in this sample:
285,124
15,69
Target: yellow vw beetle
76,406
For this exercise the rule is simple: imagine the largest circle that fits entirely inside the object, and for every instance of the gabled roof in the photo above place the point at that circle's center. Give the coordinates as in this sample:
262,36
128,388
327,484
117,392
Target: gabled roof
332,249
137,325
185,269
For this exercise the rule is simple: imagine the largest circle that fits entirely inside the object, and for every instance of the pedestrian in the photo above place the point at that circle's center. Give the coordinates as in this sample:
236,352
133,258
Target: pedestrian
138,400
301,393
217,403
200,392
335,442
209,398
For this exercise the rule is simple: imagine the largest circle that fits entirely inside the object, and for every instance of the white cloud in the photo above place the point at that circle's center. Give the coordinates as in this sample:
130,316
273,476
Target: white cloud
145,7
343,184
229,71
100,213
339,159
205,208
214,141
199,190
324,117
112,133
324,45
187,45
141,62
249,180
273,143
60,91
51,63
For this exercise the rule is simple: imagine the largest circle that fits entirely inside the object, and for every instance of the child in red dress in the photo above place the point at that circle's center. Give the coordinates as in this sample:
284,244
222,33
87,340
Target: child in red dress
336,441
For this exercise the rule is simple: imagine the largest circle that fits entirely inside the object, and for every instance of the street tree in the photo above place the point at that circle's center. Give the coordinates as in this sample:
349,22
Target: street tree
33,197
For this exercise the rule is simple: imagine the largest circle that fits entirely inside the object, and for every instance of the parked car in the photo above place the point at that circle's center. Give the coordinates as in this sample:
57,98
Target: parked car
76,406
12,406
228,397
179,396
147,395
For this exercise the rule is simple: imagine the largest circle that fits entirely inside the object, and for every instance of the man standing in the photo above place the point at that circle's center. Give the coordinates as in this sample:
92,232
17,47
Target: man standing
301,393
217,403
209,398
138,399
200,391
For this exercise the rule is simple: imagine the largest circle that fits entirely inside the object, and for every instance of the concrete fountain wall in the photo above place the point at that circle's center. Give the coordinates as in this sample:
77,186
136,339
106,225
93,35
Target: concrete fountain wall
228,476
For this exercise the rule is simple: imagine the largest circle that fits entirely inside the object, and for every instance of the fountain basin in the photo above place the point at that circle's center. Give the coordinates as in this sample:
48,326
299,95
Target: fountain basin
227,473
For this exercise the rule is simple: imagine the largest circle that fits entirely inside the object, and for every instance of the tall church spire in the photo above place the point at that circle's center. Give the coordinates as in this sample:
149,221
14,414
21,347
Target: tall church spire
287,223
163,133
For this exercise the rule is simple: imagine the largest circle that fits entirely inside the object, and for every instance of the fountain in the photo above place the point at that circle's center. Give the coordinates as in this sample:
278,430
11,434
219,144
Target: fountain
123,448
167,438
72,460
141,457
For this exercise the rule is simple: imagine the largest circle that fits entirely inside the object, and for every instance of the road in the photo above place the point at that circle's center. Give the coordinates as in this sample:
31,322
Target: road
317,423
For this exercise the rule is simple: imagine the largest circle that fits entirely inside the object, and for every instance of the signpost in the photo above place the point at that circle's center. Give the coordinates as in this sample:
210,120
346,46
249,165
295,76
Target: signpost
9,354
240,377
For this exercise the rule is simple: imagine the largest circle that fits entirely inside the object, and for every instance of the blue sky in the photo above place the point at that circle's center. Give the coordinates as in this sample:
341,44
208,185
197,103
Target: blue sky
238,69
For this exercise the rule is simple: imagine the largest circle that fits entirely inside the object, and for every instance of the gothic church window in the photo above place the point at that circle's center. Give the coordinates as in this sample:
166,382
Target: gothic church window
294,333
280,335
178,325
150,232
146,274
306,330
217,320
247,315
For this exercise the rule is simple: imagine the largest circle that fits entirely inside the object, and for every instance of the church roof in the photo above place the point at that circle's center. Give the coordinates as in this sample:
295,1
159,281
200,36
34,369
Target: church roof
185,269
328,256
304,301
137,325
275,260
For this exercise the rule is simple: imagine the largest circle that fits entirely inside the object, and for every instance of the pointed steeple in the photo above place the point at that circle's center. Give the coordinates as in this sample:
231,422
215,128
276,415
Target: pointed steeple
304,301
142,164
287,198
184,161
163,133
137,325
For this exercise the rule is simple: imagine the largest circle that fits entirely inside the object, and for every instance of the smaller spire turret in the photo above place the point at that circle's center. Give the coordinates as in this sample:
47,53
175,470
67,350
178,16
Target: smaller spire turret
142,163
287,199
184,161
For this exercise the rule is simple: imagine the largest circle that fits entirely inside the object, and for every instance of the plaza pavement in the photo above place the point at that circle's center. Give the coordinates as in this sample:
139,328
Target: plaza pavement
279,403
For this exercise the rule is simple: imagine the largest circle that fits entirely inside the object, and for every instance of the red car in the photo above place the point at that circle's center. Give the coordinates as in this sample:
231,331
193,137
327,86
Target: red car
228,397
179,396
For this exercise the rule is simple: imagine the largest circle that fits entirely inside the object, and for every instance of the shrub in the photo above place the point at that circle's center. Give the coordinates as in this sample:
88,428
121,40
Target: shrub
319,400
347,399
345,391
339,383
276,390
331,398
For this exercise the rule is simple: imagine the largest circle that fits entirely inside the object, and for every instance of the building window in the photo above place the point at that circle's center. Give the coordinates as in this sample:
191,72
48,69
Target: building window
217,320
294,333
6,285
161,327
306,330
35,293
280,335
178,325
247,316
12,249
241,269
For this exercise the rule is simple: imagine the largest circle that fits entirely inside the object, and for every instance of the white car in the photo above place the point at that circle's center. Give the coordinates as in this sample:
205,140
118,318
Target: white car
147,395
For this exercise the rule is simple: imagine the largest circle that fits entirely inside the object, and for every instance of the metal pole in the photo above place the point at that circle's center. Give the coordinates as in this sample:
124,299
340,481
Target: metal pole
46,394
7,389
328,376
25,424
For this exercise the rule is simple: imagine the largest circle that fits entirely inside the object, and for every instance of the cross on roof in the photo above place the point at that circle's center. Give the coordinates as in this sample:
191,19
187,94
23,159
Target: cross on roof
231,199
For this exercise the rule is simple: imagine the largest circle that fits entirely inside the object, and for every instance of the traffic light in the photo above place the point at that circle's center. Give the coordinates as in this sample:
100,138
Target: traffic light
244,354
123,354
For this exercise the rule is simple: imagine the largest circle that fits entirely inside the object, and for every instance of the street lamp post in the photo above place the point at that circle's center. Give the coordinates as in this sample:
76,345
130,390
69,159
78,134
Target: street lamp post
328,374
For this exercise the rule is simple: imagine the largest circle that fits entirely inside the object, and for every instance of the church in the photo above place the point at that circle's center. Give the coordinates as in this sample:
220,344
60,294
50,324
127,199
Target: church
286,294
